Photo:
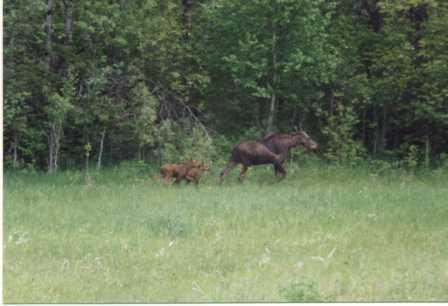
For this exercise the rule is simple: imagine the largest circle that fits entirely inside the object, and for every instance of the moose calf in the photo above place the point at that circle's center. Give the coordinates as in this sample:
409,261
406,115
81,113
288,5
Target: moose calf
194,174
190,170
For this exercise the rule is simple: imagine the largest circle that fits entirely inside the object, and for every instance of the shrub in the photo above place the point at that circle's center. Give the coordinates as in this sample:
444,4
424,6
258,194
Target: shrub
340,130
178,141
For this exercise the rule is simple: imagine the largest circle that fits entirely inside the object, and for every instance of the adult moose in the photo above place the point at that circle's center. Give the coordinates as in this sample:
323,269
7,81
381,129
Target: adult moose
272,149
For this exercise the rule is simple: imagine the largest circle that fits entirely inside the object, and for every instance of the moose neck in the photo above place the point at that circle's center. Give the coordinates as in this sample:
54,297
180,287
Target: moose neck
292,141
280,144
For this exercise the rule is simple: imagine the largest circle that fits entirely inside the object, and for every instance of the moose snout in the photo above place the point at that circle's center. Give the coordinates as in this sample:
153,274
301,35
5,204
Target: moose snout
313,147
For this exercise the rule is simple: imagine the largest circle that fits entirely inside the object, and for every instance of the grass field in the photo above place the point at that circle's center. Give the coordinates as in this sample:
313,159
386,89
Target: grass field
322,234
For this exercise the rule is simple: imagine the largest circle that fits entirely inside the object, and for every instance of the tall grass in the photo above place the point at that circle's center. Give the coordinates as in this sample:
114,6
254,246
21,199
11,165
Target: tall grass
324,233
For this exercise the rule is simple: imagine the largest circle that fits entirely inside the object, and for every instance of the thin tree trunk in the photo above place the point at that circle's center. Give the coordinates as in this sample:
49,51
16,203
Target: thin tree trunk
159,144
294,117
273,102
87,162
187,7
427,148
375,132
257,114
54,144
139,152
48,29
58,137
271,112
14,150
364,122
50,151
382,140
100,154
68,34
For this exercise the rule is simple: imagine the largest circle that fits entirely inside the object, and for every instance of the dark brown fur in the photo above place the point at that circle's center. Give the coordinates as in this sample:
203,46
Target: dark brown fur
272,149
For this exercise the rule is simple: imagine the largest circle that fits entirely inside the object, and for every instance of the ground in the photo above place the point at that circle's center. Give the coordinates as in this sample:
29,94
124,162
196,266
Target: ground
322,234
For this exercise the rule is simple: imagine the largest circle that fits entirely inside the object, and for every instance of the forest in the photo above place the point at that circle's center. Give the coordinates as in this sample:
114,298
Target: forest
159,81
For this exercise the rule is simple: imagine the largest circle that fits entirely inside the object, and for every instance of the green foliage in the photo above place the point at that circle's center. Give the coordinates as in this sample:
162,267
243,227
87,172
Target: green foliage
342,145
177,143
144,121
87,148
364,78
265,59
61,102
411,159
301,291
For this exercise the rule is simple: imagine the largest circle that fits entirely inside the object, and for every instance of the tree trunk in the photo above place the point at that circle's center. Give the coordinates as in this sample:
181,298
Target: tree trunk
139,151
54,144
100,154
383,134
159,149
364,123
375,132
273,102
187,8
14,150
373,10
57,145
50,151
427,148
271,116
87,162
48,29
68,34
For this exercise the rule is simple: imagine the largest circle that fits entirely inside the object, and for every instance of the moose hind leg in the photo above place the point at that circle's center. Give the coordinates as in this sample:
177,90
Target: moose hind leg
230,165
243,173
276,171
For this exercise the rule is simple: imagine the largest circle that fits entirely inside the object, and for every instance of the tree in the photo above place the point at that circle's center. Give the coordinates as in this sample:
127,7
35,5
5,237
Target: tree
272,51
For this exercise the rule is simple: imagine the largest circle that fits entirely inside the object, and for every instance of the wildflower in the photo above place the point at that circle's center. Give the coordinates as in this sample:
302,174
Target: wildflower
23,238
265,258
161,253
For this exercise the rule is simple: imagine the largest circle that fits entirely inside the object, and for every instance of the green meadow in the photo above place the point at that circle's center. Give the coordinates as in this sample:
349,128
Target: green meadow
323,233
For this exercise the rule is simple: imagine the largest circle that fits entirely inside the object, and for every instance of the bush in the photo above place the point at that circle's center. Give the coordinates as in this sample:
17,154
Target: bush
339,131
133,168
178,141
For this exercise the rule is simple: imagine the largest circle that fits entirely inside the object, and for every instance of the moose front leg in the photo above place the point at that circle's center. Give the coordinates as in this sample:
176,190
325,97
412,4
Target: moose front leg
279,170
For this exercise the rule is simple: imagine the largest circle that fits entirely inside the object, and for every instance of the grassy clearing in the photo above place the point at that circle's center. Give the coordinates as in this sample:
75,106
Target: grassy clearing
322,234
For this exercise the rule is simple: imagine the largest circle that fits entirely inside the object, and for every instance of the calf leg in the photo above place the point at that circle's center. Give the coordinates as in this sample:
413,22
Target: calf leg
167,179
178,180
196,182
193,179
